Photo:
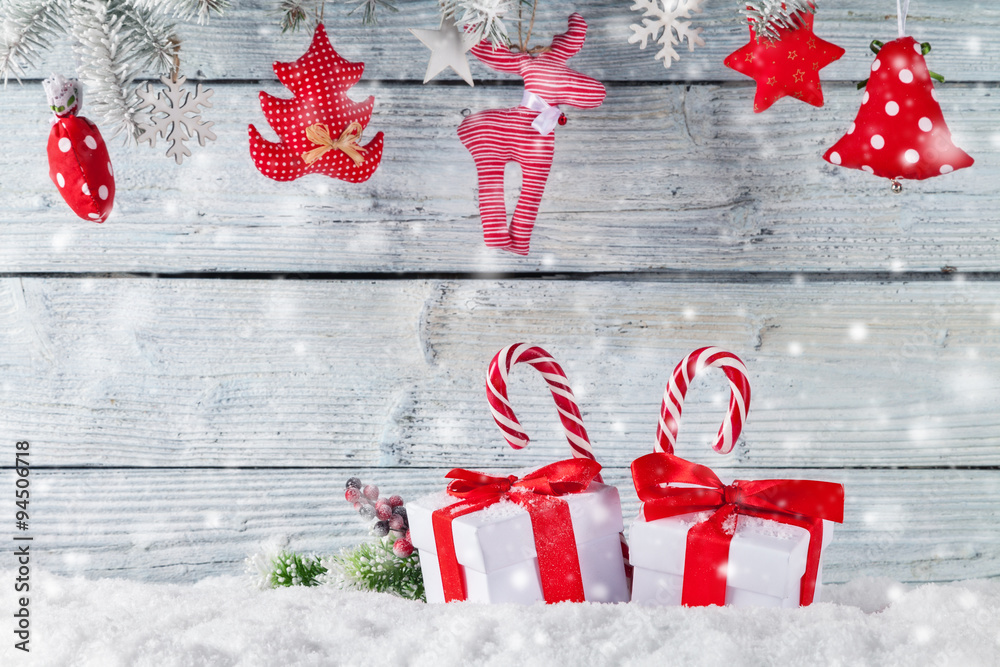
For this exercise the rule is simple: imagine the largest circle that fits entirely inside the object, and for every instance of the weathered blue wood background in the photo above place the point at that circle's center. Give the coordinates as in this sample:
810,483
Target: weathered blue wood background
179,418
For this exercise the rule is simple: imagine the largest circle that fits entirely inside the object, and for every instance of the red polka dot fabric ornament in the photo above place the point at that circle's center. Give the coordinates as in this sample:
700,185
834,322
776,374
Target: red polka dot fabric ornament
524,134
320,127
900,132
78,158
787,65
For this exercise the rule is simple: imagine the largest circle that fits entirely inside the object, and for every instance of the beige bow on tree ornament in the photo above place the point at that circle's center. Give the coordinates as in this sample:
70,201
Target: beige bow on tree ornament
319,134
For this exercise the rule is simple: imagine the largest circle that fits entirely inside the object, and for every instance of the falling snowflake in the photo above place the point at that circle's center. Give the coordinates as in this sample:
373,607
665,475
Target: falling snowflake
666,26
175,116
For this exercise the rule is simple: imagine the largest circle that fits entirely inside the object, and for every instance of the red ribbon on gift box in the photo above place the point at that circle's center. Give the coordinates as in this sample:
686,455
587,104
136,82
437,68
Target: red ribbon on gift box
803,503
537,492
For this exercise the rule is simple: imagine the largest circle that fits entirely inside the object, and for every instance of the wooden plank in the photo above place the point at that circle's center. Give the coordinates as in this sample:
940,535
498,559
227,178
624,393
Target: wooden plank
212,372
961,31
687,179
178,525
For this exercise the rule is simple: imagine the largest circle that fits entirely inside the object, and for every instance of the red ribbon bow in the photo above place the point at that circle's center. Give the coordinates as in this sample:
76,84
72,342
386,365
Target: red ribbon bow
537,492
803,503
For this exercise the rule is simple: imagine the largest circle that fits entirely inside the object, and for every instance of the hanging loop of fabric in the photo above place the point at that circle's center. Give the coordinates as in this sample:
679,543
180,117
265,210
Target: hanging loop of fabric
902,9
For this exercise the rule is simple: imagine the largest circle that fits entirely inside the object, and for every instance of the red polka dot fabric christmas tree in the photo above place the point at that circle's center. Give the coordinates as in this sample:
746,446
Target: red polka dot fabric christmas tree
78,158
320,127
900,132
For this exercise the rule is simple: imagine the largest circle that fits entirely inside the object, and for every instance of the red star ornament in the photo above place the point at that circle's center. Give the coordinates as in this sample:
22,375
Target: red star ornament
787,67
899,131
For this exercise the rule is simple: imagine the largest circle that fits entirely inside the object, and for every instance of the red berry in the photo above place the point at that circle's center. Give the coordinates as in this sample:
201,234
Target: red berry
408,536
383,512
371,492
352,495
402,547
357,506
395,501
397,522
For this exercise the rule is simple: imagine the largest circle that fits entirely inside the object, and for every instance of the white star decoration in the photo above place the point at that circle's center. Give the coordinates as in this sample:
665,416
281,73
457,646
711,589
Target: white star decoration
448,47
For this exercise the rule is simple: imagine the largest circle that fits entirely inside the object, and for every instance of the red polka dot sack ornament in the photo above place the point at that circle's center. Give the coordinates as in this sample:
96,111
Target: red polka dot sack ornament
900,132
320,127
78,158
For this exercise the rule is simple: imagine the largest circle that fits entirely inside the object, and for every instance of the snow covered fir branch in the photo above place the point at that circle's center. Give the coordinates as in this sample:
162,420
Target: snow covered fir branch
768,17
115,41
294,14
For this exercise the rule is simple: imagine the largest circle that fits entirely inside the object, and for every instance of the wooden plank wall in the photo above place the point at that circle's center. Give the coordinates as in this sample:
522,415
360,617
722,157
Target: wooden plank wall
201,373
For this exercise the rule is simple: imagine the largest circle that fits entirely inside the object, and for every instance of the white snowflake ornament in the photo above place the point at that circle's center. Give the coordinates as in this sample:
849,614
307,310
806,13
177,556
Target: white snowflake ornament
662,22
175,116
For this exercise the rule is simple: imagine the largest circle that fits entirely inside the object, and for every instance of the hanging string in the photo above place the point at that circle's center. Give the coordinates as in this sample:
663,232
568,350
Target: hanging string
902,8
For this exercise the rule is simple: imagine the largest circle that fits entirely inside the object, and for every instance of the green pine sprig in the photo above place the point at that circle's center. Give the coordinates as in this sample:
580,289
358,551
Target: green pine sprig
372,566
292,569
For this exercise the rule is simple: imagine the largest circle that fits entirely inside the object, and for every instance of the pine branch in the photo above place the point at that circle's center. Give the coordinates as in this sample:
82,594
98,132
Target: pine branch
293,13
292,569
484,18
186,10
370,6
108,64
372,566
769,16
150,34
28,29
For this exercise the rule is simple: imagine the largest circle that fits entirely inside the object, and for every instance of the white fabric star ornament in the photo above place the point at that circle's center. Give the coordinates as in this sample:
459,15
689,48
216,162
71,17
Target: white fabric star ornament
448,47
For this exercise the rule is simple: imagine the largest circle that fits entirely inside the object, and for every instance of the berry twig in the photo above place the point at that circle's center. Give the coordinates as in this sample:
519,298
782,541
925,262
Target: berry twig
386,515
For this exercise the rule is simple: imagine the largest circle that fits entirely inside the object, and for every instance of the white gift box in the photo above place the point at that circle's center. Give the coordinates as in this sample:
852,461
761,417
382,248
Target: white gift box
766,561
495,548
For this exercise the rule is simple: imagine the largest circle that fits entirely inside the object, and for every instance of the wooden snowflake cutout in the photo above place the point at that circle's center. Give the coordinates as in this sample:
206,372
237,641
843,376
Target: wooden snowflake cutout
174,115
663,22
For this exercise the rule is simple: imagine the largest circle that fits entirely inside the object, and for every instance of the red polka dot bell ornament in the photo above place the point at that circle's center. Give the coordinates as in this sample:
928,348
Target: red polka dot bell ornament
900,132
78,159
320,127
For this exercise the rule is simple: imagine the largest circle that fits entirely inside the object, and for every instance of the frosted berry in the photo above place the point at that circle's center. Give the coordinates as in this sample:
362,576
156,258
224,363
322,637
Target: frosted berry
397,522
357,506
395,501
408,536
402,547
354,483
352,494
367,511
383,512
371,492
401,511
380,528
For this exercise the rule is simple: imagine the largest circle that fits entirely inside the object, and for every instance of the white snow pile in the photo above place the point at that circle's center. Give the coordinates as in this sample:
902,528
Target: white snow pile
225,621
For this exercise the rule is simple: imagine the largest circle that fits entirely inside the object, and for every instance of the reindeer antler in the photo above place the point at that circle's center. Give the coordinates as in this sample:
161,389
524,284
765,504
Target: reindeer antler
570,42
498,56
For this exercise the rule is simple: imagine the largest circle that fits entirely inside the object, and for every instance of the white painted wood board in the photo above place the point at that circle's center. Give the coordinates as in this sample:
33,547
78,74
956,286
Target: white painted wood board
662,177
962,33
184,525
109,372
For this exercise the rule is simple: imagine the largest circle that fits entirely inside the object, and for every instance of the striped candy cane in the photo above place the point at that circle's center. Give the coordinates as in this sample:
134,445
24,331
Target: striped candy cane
569,411
503,414
673,398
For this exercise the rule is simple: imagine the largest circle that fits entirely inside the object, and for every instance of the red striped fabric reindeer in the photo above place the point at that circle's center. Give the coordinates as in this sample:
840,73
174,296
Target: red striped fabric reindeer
524,134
